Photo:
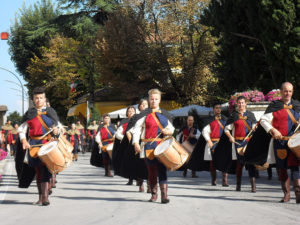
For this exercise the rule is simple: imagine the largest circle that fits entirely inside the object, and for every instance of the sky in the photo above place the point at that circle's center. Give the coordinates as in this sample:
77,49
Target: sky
10,90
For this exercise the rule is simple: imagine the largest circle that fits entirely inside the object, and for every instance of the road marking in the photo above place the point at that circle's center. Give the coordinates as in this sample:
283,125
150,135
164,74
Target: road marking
8,169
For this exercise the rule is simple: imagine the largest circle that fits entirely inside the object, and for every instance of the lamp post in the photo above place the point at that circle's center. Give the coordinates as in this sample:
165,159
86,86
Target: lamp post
21,85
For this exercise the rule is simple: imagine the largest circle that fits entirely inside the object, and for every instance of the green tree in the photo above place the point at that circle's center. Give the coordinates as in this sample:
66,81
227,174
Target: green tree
14,117
258,43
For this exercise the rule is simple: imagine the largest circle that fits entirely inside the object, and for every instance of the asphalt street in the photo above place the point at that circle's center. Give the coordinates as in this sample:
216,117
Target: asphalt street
84,196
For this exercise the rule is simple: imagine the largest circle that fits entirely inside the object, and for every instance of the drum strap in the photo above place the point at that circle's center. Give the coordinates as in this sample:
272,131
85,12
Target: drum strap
157,121
221,125
108,131
42,122
246,124
292,116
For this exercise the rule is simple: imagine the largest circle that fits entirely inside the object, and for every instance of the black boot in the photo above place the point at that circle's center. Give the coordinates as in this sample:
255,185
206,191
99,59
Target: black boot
164,193
153,193
285,185
130,181
40,201
239,172
45,193
225,179
253,184
296,184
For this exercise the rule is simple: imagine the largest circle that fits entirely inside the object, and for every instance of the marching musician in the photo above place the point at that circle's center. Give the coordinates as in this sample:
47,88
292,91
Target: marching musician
13,146
104,137
81,130
73,136
280,120
151,127
212,133
7,134
191,134
92,131
37,121
240,123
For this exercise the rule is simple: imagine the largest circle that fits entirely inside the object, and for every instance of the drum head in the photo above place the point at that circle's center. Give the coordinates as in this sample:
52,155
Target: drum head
163,146
47,148
294,141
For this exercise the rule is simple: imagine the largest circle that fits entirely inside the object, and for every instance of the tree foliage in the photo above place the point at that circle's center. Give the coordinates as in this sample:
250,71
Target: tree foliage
258,43
158,44
15,118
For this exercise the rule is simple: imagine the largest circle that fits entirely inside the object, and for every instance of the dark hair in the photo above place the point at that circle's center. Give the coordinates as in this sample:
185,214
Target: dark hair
241,98
106,115
216,103
141,101
130,107
39,90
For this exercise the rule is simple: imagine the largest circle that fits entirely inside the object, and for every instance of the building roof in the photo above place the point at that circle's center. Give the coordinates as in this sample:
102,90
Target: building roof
3,108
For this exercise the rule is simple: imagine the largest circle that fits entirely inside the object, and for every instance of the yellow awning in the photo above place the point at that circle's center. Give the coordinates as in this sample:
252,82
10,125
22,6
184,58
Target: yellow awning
107,107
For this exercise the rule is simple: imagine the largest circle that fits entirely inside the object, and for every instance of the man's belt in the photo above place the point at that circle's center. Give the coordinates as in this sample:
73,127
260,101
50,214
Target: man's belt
215,139
40,137
285,138
151,139
239,138
106,140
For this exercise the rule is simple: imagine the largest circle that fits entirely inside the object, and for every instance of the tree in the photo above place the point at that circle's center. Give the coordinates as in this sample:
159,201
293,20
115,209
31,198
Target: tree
59,66
15,118
159,44
258,43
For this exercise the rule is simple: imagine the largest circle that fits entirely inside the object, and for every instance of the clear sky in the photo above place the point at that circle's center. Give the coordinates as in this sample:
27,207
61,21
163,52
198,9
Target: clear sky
10,93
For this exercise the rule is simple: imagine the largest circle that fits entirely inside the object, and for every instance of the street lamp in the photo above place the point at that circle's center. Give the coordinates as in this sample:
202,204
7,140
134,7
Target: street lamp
21,85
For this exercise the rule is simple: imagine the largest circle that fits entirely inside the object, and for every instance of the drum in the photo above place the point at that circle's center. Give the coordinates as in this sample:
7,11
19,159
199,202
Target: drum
65,144
171,153
188,146
55,155
294,144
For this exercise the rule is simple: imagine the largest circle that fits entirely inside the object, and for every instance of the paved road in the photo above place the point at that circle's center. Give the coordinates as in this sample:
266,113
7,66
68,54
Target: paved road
84,196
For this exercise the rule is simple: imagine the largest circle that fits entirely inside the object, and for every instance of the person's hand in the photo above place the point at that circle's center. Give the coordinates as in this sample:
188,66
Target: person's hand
166,132
275,133
25,144
210,144
55,130
231,139
191,135
137,148
100,145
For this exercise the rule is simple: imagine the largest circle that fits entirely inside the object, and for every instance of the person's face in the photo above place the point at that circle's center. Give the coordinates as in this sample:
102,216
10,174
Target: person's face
143,106
9,122
241,105
16,126
73,126
39,100
130,112
106,120
154,100
217,109
78,122
94,122
190,121
287,92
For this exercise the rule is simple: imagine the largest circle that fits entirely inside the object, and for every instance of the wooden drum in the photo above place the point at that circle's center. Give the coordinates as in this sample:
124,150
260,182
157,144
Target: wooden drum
171,153
294,144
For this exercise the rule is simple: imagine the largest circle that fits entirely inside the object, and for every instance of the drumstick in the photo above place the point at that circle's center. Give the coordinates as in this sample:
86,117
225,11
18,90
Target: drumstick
38,145
50,130
155,138
297,128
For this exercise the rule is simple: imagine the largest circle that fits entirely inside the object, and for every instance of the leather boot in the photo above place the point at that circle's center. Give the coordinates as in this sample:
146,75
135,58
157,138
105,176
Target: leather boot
164,193
148,187
130,181
109,173
285,184
270,174
45,191
39,186
296,184
141,185
213,174
106,170
184,172
253,184
239,172
153,193
194,174
225,180
53,181
76,157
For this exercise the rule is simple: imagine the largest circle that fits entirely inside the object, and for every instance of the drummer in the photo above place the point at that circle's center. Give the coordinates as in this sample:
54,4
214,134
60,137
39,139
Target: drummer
280,120
104,137
38,120
153,125
191,134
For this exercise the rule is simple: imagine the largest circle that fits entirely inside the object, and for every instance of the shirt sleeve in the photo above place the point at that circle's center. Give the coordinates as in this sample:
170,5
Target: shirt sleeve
137,130
198,134
98,137
206,132
22,130
119,133
228,128
266,121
